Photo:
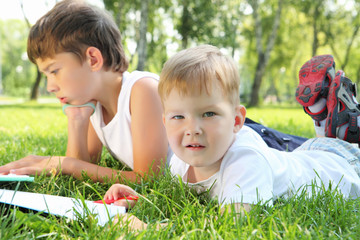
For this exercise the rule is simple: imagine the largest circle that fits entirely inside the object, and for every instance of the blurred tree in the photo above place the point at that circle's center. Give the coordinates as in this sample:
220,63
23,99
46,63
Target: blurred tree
291,48
270,39
139,22
35,88
121,9
227,25
142,34
197,20
263,52
341,33
16,68
315,14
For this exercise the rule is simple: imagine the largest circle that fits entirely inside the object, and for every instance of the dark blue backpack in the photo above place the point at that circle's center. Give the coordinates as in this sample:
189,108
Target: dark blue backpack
274,138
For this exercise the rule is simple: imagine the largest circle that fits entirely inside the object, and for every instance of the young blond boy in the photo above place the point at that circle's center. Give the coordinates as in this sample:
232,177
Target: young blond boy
199,89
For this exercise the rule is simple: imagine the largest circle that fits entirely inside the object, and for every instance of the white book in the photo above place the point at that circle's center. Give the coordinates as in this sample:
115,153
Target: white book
61,206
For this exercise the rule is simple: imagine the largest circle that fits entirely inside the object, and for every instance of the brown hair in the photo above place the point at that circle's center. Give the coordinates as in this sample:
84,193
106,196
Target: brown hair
73,26
198,69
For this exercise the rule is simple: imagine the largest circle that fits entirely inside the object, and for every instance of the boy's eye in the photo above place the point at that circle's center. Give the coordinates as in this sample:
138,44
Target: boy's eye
209,114
54,71
178,117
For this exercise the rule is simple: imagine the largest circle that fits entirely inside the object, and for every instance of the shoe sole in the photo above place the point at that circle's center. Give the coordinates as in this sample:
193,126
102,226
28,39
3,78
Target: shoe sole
342,103
304,93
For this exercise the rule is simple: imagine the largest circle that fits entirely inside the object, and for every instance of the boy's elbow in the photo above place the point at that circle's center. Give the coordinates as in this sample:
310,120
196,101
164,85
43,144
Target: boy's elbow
147,168
149,171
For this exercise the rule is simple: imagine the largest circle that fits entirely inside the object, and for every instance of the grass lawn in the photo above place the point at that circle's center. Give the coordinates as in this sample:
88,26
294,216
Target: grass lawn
40,129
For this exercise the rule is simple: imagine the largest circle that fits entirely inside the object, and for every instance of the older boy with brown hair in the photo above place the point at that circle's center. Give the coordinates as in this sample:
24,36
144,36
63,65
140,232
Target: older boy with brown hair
78,47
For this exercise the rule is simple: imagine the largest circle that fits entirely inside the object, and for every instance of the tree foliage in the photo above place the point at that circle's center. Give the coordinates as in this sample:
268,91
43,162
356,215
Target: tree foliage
304,28
18,73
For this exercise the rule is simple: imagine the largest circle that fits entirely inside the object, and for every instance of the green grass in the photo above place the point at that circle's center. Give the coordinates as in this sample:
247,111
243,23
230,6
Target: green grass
41,129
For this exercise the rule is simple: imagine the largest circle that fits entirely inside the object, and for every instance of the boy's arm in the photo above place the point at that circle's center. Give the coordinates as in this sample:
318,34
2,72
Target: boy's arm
149,142
149,139
32,165
83,142
77,168
94,144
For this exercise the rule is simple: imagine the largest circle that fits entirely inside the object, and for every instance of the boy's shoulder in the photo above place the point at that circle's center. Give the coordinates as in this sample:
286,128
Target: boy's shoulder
247,147
132,81
136,75
248,138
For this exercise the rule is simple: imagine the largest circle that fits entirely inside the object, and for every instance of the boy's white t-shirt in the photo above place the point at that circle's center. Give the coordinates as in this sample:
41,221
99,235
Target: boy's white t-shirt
252,172
116,135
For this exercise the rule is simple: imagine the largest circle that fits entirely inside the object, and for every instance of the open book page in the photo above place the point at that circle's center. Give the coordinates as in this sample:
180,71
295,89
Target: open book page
61,206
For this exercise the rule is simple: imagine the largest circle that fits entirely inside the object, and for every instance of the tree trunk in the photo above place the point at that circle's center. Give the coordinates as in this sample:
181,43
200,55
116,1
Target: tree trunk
315,44
35,87
336,54
184,29
259,73
143,31
263,57
348,48
315,38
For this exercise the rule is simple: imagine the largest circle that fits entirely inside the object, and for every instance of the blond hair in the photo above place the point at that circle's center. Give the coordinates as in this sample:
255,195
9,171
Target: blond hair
197,69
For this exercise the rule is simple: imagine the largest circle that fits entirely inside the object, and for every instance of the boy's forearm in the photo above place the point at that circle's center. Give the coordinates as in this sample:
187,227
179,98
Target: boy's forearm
77,140
77,167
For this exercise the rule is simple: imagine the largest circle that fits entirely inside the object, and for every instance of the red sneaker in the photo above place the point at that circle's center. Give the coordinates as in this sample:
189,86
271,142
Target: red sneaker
315,78
342,108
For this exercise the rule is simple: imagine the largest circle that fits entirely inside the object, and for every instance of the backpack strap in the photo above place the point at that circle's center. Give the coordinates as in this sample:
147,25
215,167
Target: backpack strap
275,139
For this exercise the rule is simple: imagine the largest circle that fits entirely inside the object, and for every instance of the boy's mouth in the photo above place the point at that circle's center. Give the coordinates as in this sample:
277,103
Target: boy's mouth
62,99
195,146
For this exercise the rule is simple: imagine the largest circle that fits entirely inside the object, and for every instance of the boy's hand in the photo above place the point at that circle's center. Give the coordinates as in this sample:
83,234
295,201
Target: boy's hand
118,191
32,165
79,113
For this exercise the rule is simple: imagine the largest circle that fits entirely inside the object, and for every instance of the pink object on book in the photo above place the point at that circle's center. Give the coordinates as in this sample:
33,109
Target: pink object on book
108,201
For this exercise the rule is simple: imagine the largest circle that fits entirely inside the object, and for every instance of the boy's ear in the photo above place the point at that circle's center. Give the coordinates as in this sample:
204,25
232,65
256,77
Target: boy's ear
94,58
240,113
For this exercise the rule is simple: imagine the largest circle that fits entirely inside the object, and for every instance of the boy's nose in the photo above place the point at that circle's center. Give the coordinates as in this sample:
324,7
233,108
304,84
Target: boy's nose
51,86
193,128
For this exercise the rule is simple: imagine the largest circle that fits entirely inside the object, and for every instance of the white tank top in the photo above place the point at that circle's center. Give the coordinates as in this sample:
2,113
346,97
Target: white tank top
116,135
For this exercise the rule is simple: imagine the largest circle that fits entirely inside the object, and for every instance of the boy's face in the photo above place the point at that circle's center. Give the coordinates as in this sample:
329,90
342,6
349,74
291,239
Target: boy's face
69,79
201,127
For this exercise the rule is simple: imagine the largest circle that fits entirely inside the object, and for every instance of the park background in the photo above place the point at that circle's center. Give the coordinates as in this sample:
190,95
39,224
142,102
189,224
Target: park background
270,40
